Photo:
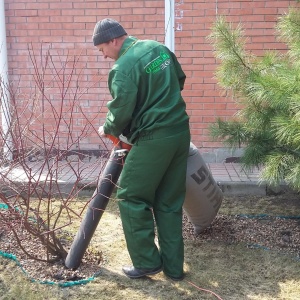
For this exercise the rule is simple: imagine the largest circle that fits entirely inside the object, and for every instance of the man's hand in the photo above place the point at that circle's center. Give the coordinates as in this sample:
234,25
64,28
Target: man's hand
101,132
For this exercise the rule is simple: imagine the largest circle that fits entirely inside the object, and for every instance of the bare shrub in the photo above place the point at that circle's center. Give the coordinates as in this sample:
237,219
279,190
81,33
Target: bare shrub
45,134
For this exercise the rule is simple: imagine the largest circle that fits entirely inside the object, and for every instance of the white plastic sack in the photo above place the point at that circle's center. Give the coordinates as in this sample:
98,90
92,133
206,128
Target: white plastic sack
203,195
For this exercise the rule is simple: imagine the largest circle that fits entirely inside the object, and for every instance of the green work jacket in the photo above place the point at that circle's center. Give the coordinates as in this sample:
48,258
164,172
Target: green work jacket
145,83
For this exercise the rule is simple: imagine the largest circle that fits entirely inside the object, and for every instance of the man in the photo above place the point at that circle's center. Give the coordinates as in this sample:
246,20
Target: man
145,83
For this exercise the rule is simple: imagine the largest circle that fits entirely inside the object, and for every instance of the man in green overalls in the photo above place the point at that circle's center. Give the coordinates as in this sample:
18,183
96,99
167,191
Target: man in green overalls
145,83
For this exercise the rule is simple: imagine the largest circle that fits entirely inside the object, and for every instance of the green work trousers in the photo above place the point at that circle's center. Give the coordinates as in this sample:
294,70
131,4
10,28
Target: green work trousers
152,191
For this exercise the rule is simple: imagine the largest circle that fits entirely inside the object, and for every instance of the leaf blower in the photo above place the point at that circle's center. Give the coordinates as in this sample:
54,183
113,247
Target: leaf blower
202,202
98,203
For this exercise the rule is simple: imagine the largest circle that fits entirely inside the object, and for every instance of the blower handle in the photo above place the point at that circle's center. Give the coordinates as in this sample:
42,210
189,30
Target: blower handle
118,143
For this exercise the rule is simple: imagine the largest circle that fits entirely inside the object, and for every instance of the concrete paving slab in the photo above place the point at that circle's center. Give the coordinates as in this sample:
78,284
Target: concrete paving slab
231,178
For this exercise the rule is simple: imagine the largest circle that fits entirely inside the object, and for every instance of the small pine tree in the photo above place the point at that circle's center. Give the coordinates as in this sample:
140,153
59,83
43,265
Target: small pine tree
268,90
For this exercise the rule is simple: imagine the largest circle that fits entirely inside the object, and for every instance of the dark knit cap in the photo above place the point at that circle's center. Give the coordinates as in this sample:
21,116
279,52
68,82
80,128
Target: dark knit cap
106,30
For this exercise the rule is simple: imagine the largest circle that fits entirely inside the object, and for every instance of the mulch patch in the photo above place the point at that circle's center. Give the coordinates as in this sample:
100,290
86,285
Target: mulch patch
271,233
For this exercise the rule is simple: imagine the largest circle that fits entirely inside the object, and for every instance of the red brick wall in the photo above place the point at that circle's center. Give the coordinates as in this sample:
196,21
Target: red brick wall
66,28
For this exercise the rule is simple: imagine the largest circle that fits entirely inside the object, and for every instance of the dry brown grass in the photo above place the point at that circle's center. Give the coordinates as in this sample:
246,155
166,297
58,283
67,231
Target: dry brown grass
225,266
